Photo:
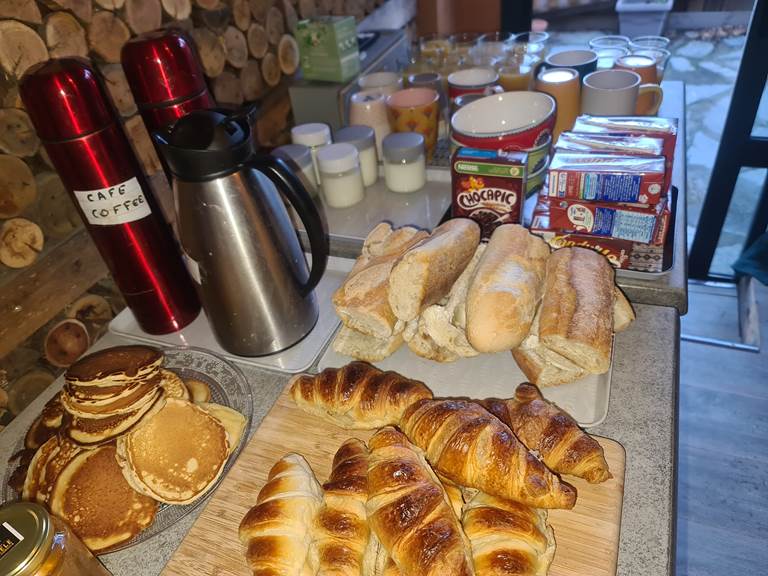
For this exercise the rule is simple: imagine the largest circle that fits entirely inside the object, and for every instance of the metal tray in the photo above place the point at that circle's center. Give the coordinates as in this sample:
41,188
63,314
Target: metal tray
298,358
492,375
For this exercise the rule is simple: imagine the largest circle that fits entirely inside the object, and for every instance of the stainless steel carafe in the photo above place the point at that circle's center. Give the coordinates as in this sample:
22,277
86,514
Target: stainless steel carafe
234,228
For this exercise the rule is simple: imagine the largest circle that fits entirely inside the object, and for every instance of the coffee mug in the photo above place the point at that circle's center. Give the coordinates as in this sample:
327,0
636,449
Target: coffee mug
384,82
583,61
369,108
610,93
646,67
471,81
564,86
416,110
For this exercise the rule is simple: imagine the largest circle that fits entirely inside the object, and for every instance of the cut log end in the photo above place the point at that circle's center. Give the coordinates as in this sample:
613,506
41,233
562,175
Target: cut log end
64,36
20,48
257,40
143,15
270,69
17,135
142,145
106,35
213,53
227,89
237,47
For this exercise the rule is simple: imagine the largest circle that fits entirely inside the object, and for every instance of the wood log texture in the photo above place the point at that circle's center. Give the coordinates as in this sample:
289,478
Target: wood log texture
23,10
212,52
291,18
288,54
307,9
17,186
142,145
241,14
270,69
251,81
216,19
17,135
20,48
106,35
275,25
257,40
83,9
259,9
110,4
56,211
236,46
177,9
143,15
118,88
227,89
64,36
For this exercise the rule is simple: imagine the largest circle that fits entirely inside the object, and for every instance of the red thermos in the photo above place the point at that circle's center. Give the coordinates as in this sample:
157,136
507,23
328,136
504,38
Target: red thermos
165,77
77,122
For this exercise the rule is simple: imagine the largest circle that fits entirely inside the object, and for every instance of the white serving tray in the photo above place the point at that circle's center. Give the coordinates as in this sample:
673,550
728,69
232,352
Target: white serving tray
298,358
492,375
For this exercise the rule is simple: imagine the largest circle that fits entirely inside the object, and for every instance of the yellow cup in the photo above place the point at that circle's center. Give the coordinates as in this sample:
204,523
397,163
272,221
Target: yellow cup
564,86
651,94
416,110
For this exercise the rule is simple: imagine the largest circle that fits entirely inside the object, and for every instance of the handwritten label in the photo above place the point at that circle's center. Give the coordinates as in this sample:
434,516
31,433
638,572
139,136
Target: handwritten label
118,204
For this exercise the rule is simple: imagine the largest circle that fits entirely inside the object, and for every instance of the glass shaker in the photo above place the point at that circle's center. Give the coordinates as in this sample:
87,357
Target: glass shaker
340,175
405,166
364,139
299,157
315,135
36,543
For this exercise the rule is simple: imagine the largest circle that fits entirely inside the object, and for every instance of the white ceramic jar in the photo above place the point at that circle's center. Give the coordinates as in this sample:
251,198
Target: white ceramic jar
405,166
364,139
340,176
299,158
314,135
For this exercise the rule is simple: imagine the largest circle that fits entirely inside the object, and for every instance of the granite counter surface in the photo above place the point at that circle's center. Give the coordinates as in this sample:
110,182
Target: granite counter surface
642,417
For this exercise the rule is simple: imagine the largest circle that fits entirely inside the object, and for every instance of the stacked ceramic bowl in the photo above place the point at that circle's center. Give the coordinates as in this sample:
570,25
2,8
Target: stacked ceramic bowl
513,121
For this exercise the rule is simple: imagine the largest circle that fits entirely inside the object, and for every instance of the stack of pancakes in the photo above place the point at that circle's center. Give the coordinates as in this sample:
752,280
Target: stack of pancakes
122,436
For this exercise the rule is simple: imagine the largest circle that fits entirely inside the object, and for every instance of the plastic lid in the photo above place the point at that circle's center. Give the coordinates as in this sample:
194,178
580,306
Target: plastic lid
27,537
65,98
299,153
402,147
314,134
336,158
361,137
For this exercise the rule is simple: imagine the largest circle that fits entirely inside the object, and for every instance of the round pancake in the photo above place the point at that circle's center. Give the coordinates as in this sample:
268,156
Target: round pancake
132,399
173,385
91,431
177,453
65,451
94,498
231,419
199,391
115,363
46,424
36,467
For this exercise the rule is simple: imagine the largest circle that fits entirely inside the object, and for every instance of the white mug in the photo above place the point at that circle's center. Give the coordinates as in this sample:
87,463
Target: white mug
610,93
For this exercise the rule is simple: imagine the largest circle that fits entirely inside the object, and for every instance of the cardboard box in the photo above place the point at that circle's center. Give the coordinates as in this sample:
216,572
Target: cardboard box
645,225
607,177
328,48
610,144
488,187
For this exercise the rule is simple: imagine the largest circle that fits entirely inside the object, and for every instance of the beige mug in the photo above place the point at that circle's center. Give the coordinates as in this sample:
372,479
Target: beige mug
564,86
613,93
648,101
369,108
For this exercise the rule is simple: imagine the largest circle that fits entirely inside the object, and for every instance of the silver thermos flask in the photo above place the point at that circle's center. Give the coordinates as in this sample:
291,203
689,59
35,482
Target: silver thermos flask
238,239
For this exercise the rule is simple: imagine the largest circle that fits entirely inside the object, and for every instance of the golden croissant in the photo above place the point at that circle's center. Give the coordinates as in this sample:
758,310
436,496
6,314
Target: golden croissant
552,432
357,395
472,448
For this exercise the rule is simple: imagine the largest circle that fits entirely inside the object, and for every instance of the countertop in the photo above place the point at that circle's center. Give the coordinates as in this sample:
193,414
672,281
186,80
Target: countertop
642,417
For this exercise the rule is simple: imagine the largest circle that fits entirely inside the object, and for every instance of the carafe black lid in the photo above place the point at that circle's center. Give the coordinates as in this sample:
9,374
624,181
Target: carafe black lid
205,144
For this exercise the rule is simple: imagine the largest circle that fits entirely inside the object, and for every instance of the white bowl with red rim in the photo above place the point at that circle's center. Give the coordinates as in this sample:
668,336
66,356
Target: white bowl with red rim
507,121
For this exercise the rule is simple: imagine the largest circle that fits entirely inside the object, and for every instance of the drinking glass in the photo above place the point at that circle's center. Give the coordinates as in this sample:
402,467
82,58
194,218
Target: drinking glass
614,41
606,57
493,44
659,54
649,42
435,46
535,43
464,41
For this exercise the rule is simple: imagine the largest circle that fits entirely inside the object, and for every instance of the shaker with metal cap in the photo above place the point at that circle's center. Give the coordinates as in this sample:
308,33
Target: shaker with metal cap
36,543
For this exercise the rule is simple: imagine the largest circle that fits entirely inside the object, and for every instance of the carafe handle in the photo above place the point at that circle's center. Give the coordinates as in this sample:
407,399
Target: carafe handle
314,223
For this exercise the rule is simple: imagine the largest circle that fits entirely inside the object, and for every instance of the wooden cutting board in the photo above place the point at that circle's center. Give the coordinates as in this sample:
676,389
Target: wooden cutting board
587,536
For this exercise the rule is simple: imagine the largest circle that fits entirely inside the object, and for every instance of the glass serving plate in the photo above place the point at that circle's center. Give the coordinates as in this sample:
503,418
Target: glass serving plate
228,387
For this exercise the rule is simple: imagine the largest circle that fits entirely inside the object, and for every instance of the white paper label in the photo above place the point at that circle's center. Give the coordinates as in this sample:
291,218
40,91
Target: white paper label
118,204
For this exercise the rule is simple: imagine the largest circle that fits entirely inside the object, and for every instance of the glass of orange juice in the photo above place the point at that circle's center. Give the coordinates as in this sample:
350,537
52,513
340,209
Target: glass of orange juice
435,46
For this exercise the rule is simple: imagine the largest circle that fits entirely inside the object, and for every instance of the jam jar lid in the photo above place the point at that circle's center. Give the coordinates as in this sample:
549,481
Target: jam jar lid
402,147
26,535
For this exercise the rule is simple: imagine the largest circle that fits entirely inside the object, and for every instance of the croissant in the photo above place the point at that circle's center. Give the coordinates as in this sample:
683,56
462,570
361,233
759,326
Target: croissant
471,447
552,432
357,395
507,538
276,531
409,510
340,532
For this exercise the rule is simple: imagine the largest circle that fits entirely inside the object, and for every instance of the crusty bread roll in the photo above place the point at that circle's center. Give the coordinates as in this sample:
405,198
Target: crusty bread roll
362,302
623,313
506,289
543,366
422,344
349,342
576,318
425,273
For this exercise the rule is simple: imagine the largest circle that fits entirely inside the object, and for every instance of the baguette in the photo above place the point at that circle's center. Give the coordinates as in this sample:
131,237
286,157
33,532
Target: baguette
505,289
409,511
472,448
623,313
357,395
576,318
349,342
422,344
276,531
361,301
425,273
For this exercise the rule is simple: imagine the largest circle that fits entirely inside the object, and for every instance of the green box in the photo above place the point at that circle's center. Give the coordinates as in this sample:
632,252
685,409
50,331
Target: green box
328,48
